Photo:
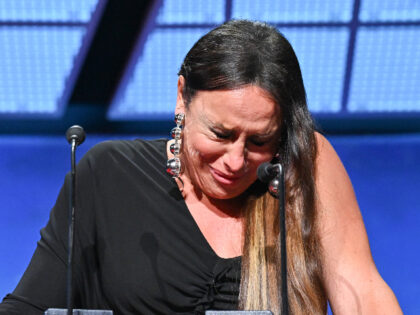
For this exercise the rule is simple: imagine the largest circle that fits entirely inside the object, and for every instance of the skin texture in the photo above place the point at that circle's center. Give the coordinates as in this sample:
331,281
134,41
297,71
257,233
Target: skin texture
227,135
222,149
353,283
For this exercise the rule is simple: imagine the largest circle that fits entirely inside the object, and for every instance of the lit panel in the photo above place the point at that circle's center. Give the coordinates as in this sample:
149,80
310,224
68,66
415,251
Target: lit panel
322,56
191,11
151,91
389,10
276,11
34,64
386,71
47,10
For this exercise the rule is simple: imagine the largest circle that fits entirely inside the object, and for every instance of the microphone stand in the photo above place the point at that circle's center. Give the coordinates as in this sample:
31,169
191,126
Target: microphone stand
75,136
274,174
72,203
278,190
265,173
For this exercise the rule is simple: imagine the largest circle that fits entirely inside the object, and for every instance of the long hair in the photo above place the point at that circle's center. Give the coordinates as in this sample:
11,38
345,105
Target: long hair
240,53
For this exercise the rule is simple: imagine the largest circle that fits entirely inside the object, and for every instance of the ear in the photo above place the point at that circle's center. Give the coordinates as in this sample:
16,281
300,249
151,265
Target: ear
180,102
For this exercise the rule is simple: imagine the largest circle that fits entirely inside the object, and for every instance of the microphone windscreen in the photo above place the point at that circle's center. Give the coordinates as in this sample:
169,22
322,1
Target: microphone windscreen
77,133
264,172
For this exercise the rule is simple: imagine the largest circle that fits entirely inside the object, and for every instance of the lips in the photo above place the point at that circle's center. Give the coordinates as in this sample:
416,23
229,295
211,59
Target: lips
224,178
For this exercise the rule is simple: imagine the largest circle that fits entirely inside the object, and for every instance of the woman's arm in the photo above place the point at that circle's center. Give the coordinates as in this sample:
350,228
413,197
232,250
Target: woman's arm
352,281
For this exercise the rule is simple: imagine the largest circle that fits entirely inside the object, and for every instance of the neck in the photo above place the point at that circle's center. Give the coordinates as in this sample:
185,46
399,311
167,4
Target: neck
222,207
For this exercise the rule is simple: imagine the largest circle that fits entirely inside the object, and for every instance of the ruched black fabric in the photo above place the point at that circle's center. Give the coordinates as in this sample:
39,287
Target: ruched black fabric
138,250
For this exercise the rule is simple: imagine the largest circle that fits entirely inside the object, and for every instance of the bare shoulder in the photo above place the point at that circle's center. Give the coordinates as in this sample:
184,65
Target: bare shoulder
352,281
340,221
336,198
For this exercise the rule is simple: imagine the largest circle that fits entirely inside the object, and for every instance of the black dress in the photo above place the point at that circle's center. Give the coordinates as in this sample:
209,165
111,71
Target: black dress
138,250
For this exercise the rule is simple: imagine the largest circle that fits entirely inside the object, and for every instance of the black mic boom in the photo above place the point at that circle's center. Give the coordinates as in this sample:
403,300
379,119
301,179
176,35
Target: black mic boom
266,171
75,136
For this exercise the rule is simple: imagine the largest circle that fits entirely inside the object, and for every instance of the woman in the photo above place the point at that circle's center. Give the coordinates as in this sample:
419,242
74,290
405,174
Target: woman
207,238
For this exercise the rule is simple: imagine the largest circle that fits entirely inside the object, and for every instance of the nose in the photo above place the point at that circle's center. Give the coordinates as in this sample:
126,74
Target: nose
234,158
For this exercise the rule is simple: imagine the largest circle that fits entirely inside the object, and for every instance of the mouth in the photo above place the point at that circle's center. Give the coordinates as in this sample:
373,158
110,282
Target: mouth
224,178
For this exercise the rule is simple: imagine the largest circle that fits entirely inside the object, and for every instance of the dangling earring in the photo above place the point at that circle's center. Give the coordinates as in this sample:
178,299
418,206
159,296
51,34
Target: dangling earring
173,166
274,185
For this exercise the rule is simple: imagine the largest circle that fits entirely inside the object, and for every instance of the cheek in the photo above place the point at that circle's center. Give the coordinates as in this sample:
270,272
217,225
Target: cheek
257,158
199,146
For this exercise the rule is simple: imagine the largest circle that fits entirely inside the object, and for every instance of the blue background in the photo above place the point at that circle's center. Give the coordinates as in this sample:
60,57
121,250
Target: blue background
361,66
384,171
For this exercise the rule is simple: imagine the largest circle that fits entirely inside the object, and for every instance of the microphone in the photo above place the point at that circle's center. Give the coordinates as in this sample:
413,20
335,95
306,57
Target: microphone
273,174
267,171
77,134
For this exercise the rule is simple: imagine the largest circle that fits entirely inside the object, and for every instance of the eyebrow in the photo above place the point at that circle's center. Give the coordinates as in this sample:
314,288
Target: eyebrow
221,127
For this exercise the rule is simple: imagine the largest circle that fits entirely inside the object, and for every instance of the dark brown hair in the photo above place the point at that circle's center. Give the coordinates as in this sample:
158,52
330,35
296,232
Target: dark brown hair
240,53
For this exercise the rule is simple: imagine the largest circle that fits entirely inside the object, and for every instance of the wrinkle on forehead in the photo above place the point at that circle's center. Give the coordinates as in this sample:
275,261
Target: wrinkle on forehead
251,107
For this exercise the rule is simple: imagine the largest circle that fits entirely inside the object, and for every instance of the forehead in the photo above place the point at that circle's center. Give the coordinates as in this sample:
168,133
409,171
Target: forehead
246,104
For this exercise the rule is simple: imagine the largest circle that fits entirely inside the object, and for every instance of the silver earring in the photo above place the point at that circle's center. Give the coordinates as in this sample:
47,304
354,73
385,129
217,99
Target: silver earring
173,166
274,187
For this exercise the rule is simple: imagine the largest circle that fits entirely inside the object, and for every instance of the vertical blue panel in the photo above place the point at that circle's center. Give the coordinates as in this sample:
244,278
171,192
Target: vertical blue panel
152,88
322,56
389,10
34,64
192,11
385,173
386,72
276,11
47,10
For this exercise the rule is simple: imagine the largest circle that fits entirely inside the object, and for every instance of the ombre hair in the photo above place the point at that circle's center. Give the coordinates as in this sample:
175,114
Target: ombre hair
240,53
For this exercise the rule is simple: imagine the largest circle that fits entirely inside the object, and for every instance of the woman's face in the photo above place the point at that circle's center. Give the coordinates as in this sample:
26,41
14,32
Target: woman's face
227,135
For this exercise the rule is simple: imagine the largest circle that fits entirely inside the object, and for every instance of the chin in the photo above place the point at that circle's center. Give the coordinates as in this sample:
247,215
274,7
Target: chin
224,194
216,190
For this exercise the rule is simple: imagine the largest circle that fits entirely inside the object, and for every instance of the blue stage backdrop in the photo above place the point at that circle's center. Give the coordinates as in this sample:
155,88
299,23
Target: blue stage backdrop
384,170
359,61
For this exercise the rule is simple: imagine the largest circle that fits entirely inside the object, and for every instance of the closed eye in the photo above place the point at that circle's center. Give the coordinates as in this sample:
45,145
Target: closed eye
259,143
221,135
